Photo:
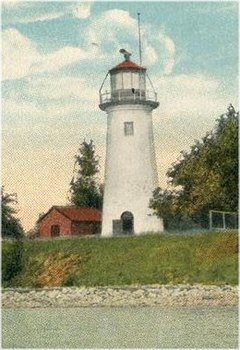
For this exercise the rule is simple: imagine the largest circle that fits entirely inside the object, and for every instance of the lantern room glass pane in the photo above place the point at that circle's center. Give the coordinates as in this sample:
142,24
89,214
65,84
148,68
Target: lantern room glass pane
118,80
135,80
127,83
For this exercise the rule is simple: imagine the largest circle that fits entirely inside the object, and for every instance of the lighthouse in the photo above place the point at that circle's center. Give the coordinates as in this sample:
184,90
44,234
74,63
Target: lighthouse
130,166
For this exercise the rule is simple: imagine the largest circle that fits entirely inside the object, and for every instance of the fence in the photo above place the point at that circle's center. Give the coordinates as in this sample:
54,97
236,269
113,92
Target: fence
222,220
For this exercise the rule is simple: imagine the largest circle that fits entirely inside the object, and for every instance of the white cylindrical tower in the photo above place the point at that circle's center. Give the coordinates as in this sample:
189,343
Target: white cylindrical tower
130,168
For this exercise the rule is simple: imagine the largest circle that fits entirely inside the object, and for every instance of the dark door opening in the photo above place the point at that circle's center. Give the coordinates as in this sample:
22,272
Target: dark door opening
55,230
127,222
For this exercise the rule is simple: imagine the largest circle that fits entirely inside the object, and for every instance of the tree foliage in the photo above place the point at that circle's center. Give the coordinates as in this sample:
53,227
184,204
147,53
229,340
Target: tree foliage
85,190
204,178
11,226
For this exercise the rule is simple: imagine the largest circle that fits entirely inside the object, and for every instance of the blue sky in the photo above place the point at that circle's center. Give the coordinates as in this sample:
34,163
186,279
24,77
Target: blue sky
55,56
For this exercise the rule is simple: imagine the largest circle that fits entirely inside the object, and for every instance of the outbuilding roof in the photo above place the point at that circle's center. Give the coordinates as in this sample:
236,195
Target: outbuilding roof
76,214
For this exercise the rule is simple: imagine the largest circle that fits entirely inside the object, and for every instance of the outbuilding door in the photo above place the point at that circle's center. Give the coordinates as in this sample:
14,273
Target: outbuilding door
55,230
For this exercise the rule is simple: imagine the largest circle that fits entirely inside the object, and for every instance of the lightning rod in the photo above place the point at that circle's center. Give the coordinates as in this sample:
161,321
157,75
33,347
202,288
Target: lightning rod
139,40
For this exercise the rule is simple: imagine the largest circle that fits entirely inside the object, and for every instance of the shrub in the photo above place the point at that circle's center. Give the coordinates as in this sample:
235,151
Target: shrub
12,260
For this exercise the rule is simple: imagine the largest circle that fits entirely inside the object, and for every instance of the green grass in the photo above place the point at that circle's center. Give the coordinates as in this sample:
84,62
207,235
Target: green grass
207,258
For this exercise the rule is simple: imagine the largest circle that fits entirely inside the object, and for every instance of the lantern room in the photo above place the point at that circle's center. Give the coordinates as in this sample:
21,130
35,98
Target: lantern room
129,83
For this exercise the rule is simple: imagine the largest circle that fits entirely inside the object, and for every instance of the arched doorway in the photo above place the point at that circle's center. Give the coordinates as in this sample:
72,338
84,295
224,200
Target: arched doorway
127,222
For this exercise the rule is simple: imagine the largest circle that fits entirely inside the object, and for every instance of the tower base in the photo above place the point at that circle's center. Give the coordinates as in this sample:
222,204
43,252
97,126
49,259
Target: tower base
130,223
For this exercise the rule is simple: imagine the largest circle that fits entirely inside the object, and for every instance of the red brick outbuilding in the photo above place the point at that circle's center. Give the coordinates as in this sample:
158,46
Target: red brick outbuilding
68,221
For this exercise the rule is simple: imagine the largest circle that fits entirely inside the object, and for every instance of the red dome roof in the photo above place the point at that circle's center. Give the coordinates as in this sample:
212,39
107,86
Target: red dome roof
127,65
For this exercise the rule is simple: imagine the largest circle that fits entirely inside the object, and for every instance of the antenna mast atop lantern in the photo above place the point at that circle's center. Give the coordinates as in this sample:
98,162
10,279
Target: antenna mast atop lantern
139,40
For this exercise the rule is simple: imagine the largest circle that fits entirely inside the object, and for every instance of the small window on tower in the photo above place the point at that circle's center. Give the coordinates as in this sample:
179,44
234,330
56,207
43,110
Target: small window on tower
128,128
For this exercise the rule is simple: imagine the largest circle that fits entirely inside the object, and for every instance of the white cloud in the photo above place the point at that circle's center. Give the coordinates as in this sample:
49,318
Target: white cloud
191,94
82,10
13,3
109,29
13,108
62,96
120,18
32,13
185,84
58,59
21,58
168,43
150,55
19,53
169,52
43,17
27,59
63,87
40,11
19,107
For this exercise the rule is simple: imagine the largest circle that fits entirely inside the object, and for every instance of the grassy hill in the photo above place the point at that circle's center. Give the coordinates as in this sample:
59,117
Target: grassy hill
208,258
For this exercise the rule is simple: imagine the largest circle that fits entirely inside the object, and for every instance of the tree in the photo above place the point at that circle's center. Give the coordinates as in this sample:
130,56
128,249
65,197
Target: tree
85,190
204,178
11,226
